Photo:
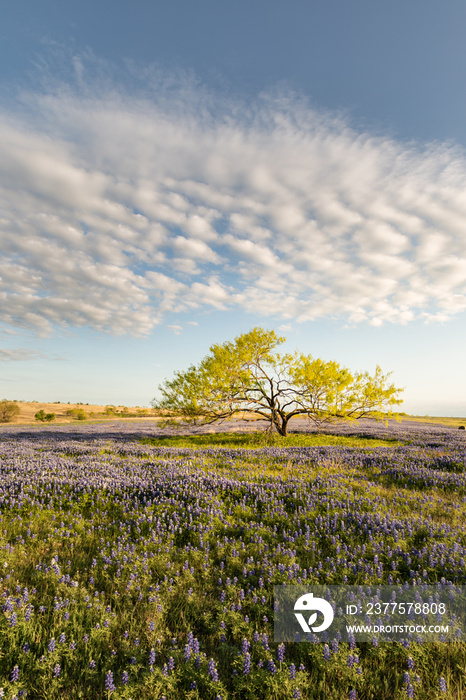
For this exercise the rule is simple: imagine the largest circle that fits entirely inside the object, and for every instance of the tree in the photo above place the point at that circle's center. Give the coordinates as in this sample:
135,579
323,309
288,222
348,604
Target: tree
247,376
8,411
44,417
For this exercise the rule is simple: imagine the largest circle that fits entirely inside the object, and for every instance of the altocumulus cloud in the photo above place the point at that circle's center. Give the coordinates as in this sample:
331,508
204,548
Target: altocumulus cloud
117,209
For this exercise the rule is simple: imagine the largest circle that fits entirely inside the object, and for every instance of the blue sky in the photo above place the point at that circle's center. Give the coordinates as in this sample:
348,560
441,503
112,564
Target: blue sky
173,174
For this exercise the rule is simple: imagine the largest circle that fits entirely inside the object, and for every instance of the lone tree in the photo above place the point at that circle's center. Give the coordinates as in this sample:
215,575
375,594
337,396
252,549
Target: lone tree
9,410
248,376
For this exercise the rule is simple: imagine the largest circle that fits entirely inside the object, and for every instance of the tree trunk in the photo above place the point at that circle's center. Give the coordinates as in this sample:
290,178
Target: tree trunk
280,423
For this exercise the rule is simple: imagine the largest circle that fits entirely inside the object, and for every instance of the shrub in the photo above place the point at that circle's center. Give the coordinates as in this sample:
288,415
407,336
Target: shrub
77,413
8,411
44,417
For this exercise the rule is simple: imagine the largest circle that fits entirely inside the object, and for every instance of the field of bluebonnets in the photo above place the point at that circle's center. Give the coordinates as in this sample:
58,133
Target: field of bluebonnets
137,566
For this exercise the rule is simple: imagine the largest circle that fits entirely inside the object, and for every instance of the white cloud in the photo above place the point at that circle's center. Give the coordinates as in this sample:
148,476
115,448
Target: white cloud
116,209
19,355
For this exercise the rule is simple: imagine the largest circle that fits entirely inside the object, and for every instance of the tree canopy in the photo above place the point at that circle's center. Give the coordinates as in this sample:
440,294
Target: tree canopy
248,376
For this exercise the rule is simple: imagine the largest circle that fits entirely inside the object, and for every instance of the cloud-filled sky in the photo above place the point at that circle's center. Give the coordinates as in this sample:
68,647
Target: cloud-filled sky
150,203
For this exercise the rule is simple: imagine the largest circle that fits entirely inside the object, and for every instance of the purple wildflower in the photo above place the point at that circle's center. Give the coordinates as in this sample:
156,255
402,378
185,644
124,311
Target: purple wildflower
109,684
212,671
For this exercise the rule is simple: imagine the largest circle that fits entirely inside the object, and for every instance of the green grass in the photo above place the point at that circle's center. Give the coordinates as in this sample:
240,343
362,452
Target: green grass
255,440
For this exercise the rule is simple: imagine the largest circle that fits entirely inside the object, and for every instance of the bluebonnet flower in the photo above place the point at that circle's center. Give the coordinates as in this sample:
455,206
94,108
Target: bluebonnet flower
125,678
326,652
15,674
247,663
352,695
152,657
281,652
212,671
296,693
92,664
442,684
56,670
109,684
51,645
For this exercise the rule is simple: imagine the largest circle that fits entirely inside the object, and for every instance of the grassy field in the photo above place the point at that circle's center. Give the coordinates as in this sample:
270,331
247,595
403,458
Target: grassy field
141,565
99,412
28,409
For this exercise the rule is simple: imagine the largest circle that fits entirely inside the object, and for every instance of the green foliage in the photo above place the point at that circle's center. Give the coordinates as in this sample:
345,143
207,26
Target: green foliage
113,412
77,413
8,411
258,440
247,376
44,417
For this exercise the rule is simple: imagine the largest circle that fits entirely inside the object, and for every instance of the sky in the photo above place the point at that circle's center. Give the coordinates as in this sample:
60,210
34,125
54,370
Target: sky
173,174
